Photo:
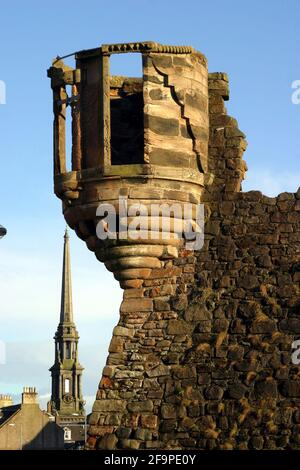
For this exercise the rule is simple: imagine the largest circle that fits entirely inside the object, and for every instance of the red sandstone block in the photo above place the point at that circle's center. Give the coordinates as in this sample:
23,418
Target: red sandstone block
106,382
91,442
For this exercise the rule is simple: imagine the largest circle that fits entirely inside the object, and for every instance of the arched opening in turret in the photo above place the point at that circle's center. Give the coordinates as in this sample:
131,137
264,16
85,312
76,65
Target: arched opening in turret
126,110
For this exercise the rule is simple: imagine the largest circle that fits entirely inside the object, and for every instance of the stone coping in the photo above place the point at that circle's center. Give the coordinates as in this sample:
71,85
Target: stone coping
141,47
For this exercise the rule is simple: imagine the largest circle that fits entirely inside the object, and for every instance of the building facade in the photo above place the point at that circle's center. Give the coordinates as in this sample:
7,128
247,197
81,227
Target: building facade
26,427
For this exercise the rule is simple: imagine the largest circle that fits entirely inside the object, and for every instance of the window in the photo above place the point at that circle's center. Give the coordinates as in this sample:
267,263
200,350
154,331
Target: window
68,350
67,385
126,110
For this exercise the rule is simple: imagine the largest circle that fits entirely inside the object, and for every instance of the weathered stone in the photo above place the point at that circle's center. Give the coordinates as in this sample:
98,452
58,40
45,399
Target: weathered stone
143,434
179,327
158,371
195,100
134,262
183,372
264,326
106,382
168,411
197,312
131,283
132,274
123,433
116,345
266,388
149,421
237,391
257,442
122,331
108,442
108,371
163,126
163,61
140,406
109,405
160,304
291,388
167,158
130,444
136,305
130,374
165,273
290,325
214,392
248,281
156,94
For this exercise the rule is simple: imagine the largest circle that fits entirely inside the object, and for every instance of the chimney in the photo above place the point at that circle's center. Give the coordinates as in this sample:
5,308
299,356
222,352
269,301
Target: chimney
5,400
29,396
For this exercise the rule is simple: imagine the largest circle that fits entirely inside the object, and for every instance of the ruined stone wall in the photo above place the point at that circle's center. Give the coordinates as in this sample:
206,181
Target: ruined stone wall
205,361
201,356
247,288
208,364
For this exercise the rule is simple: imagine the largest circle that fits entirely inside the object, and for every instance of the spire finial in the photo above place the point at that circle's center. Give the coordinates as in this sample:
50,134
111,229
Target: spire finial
66,312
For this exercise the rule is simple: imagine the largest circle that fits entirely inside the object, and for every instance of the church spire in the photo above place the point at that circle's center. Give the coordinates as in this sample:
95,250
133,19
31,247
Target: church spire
66,398
66,309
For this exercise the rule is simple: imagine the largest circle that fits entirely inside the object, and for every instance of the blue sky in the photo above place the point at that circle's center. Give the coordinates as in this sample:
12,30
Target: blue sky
256,43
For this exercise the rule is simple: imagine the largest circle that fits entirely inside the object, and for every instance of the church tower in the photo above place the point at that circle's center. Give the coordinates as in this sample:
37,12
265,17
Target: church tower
67,402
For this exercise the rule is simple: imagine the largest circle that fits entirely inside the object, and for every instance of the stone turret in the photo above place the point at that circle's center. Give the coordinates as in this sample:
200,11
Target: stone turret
140,139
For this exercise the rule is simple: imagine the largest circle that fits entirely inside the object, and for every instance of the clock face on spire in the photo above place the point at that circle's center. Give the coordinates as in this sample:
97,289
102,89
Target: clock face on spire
68,398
